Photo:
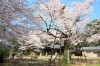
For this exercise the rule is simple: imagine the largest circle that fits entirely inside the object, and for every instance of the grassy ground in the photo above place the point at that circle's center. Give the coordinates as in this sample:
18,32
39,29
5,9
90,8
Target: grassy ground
88,62
84,64
76,62
93,65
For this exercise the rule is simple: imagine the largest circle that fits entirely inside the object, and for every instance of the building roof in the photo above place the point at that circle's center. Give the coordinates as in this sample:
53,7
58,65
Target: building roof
56,46
91,48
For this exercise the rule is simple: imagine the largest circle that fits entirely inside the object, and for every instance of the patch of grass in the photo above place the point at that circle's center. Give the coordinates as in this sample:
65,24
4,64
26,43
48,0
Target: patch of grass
94,65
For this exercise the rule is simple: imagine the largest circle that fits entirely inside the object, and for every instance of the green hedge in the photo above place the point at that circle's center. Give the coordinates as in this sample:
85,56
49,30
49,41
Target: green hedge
3,54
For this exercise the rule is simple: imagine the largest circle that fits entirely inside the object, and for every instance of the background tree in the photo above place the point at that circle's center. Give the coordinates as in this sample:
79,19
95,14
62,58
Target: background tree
93,32
93,27
12,12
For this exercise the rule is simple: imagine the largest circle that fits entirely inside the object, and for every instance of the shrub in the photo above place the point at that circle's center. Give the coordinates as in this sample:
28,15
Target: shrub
3,54
27,53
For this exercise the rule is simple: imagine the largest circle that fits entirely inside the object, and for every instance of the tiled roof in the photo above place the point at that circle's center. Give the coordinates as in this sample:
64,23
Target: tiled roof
91,48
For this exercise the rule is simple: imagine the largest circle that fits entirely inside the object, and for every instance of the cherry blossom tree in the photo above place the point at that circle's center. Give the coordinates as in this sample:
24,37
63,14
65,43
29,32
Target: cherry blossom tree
93,27
53,15
12,15
93,32
35,39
